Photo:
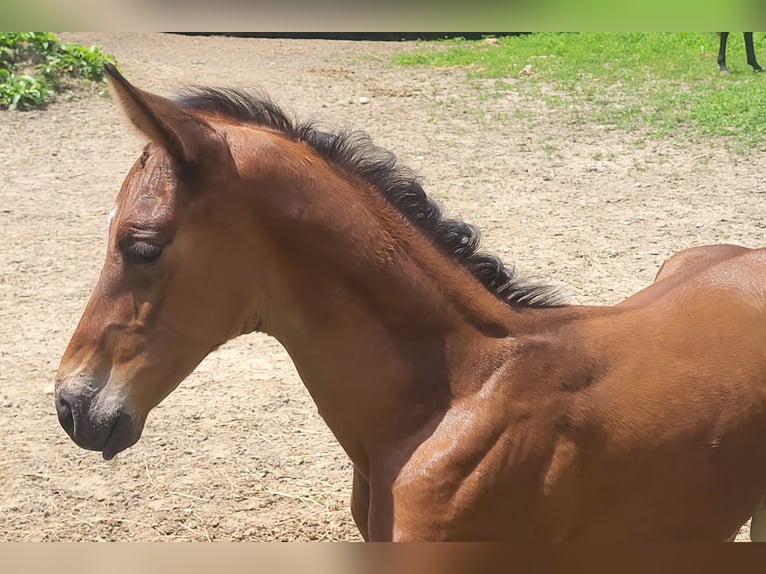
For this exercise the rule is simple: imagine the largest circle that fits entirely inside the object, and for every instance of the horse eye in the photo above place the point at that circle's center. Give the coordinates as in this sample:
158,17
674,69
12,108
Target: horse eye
142,252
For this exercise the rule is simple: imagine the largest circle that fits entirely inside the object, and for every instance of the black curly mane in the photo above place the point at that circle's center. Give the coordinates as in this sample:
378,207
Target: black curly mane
355,152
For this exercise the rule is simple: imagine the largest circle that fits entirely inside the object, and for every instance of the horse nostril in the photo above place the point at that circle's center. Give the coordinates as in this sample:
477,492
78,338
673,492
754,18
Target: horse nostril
64,410
88,429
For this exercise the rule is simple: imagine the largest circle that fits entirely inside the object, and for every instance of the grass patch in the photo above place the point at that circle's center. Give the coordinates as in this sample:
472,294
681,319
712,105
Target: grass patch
35,66
661,82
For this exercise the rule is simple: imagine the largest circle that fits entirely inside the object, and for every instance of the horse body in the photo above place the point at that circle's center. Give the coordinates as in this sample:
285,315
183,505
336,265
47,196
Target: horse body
600,423
474,406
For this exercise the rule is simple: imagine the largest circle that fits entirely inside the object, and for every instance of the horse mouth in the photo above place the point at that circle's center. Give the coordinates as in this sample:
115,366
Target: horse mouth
125,433
97,424
109,436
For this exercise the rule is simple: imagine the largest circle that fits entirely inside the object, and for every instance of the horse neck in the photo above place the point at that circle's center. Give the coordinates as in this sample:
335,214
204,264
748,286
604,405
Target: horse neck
381,374
382,328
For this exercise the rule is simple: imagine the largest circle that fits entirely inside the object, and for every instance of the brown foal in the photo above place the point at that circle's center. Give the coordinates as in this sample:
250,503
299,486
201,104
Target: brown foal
473,405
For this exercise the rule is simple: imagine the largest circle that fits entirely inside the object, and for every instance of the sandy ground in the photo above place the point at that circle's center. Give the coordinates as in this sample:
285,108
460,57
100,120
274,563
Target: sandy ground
238,451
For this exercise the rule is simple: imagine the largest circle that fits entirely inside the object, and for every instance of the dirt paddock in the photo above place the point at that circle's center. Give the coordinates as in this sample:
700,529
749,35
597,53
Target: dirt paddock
238,452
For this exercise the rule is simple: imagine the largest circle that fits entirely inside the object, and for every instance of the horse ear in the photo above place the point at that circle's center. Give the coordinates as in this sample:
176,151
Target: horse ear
185,136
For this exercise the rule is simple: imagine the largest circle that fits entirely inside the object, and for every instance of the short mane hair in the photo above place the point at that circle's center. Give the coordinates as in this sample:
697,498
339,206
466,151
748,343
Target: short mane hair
399,185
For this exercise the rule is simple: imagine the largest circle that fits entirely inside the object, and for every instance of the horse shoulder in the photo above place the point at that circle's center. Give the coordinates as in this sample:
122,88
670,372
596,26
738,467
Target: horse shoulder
504,457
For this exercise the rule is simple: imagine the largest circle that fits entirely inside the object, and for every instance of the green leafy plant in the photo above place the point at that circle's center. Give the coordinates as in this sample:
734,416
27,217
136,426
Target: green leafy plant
35,66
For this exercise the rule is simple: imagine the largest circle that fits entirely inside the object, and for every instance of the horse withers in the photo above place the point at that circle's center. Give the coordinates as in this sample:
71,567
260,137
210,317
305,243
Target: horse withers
474,405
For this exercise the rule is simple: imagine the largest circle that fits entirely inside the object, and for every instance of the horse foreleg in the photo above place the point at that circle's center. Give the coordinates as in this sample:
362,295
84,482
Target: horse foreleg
360,503
750,50
758,523
722,52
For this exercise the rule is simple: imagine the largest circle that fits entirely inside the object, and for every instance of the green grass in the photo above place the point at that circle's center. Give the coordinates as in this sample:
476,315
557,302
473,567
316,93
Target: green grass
665,83
35,66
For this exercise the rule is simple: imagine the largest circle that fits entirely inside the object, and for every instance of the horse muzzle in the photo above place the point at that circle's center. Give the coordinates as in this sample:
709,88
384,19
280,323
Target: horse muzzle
96,424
